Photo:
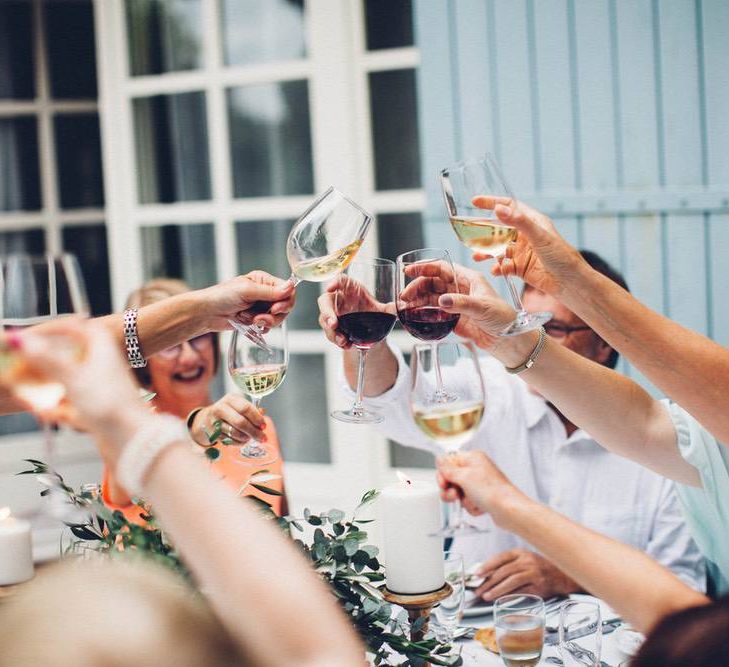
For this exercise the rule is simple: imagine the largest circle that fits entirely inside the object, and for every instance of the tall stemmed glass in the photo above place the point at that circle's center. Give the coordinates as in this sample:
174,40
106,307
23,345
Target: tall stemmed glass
258,370
322,242
364,302
479,229
422,276
37,289
449,425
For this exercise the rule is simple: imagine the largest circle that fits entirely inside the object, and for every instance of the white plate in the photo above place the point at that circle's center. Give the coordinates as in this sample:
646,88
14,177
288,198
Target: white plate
477,608
628,640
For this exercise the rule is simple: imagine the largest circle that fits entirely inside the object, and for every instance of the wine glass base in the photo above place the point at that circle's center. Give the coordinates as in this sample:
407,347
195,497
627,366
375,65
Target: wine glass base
257,455
357,417
526,322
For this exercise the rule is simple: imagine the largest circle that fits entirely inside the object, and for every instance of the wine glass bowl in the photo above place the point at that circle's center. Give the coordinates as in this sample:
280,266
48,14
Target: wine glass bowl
364,305
479,229
258,370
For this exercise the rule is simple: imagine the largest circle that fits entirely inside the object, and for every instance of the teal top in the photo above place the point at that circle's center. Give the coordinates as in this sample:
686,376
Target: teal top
706,508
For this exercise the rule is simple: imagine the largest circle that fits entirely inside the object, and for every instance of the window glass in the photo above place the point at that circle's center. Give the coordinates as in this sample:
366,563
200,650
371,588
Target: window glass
78,160
399,233
262,245
180,251
88,243
71,48
393,106
31,241
270,139
299,411
389,23
164,35
17,47
19,173
171,138
257,31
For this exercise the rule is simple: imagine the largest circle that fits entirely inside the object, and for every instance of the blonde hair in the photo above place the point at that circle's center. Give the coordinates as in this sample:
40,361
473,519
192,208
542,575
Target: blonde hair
115,612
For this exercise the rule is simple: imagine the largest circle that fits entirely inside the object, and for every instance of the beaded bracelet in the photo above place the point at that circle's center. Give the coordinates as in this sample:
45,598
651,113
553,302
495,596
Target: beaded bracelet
131,339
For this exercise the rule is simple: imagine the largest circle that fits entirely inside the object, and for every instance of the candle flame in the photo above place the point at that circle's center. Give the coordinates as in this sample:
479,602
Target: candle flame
4,513
403,478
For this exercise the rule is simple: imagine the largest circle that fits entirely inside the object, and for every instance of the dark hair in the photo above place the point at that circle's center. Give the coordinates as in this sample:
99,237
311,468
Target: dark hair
151,292
601,266
694,637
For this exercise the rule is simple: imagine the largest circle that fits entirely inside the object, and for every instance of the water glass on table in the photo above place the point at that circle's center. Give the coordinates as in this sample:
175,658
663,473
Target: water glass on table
448,612
580,633
519,623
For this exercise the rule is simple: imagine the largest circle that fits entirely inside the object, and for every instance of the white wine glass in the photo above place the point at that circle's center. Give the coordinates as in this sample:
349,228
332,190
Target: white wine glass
449,425
422,276
258,370
321,244
480,230
37,289
519,622
364,302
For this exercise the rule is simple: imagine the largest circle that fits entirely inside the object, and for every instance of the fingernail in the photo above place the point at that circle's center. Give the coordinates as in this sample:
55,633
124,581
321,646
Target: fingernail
331,321
15,342
446,301
263,426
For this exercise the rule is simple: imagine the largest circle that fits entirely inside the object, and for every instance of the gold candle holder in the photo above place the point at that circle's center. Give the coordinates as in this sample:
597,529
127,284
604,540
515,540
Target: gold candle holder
417,605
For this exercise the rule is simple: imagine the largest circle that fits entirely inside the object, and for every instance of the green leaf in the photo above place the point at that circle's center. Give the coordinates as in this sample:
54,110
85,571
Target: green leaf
266,489
335,516
212,453
319,537
351,546
338,529
314,520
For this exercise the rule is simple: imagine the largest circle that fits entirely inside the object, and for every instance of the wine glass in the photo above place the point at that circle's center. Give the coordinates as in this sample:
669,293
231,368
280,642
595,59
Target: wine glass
448,612
258,370
519,622
480,230
37,289
365,306
322,242
422,276
449,425
580,633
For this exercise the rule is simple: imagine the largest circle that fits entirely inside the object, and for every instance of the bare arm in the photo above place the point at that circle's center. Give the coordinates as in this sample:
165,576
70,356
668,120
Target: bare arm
635,585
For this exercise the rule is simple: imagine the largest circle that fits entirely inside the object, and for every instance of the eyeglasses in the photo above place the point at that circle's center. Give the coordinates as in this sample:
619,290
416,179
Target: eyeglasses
556,330
199,344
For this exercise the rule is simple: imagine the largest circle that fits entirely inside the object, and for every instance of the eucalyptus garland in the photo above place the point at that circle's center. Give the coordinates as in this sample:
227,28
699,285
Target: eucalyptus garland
337,549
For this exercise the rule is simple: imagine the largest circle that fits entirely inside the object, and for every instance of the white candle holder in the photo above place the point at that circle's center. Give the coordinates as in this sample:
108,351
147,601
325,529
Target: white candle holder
417,605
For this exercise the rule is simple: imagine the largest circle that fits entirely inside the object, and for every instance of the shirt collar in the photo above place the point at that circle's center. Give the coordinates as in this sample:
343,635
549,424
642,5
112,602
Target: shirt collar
536,409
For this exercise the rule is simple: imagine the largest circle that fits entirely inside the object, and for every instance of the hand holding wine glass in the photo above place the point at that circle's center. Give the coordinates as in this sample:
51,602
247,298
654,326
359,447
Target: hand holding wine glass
364,309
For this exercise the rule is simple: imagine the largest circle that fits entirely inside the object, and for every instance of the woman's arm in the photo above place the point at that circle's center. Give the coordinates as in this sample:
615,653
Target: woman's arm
635,585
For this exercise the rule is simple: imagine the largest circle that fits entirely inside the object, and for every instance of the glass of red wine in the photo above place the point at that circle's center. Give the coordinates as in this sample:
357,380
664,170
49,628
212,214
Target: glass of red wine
422,276
364,302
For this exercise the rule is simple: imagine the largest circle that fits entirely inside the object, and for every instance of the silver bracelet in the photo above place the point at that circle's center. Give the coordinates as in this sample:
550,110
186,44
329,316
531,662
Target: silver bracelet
532,357
131,339
150,440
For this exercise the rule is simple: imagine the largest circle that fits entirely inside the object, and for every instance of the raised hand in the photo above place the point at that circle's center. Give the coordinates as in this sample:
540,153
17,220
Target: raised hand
240,420
540,256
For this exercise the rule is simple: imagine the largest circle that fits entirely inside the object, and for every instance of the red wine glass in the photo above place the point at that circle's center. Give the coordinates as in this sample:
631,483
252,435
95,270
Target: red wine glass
422,276
364,302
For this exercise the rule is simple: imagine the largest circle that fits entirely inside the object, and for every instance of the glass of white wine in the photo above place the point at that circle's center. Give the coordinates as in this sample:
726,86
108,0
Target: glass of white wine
480,230
449,425
37,289
258,370
321,244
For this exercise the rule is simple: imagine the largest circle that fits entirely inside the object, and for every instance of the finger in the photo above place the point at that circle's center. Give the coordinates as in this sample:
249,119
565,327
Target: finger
489,202
509,585
515,216
497,561
261,292
238,425
245,408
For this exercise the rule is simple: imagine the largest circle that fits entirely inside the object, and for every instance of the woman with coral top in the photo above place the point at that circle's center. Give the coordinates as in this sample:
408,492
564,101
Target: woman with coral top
180,377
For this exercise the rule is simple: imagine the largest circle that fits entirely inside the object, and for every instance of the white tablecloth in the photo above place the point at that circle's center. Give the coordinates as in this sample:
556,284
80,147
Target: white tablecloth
475,655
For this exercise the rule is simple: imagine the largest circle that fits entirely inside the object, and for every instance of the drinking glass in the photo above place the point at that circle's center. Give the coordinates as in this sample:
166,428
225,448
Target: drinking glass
322,242
519,623
448,612
479,229
37,289
422,276
580,633
449,425
365,306
258,370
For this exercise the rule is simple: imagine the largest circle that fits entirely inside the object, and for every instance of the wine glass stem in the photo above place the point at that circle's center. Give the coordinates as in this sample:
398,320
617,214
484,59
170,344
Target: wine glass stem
439,391
455,517
513,292
358,407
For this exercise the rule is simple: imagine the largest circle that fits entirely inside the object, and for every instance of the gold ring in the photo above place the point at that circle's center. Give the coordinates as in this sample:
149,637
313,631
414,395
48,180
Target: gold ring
230,430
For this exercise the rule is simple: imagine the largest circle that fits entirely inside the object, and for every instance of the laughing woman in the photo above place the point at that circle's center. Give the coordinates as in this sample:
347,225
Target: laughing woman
180,377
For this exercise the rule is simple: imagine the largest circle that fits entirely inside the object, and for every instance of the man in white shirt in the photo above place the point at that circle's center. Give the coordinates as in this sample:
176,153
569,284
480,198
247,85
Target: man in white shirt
543,454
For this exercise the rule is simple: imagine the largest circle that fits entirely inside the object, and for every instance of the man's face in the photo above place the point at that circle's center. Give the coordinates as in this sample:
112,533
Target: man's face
585,341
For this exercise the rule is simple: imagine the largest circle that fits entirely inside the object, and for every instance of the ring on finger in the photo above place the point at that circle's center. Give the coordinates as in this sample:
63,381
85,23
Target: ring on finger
230,430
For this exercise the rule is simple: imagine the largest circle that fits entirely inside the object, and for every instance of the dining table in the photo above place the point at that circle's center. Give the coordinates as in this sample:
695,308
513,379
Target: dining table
475,655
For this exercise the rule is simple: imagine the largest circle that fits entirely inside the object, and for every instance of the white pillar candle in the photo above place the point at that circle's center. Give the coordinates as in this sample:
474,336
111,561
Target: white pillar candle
16,553
411,518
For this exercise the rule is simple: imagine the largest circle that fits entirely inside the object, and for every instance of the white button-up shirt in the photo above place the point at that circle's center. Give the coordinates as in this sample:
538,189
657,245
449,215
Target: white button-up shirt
574,475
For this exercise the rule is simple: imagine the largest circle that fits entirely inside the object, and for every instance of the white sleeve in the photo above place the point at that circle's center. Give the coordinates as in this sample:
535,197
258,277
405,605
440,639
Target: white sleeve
670,541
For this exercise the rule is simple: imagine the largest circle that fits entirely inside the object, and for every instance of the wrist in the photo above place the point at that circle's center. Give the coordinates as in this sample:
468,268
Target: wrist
513,350
118,429
196,422
508,506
